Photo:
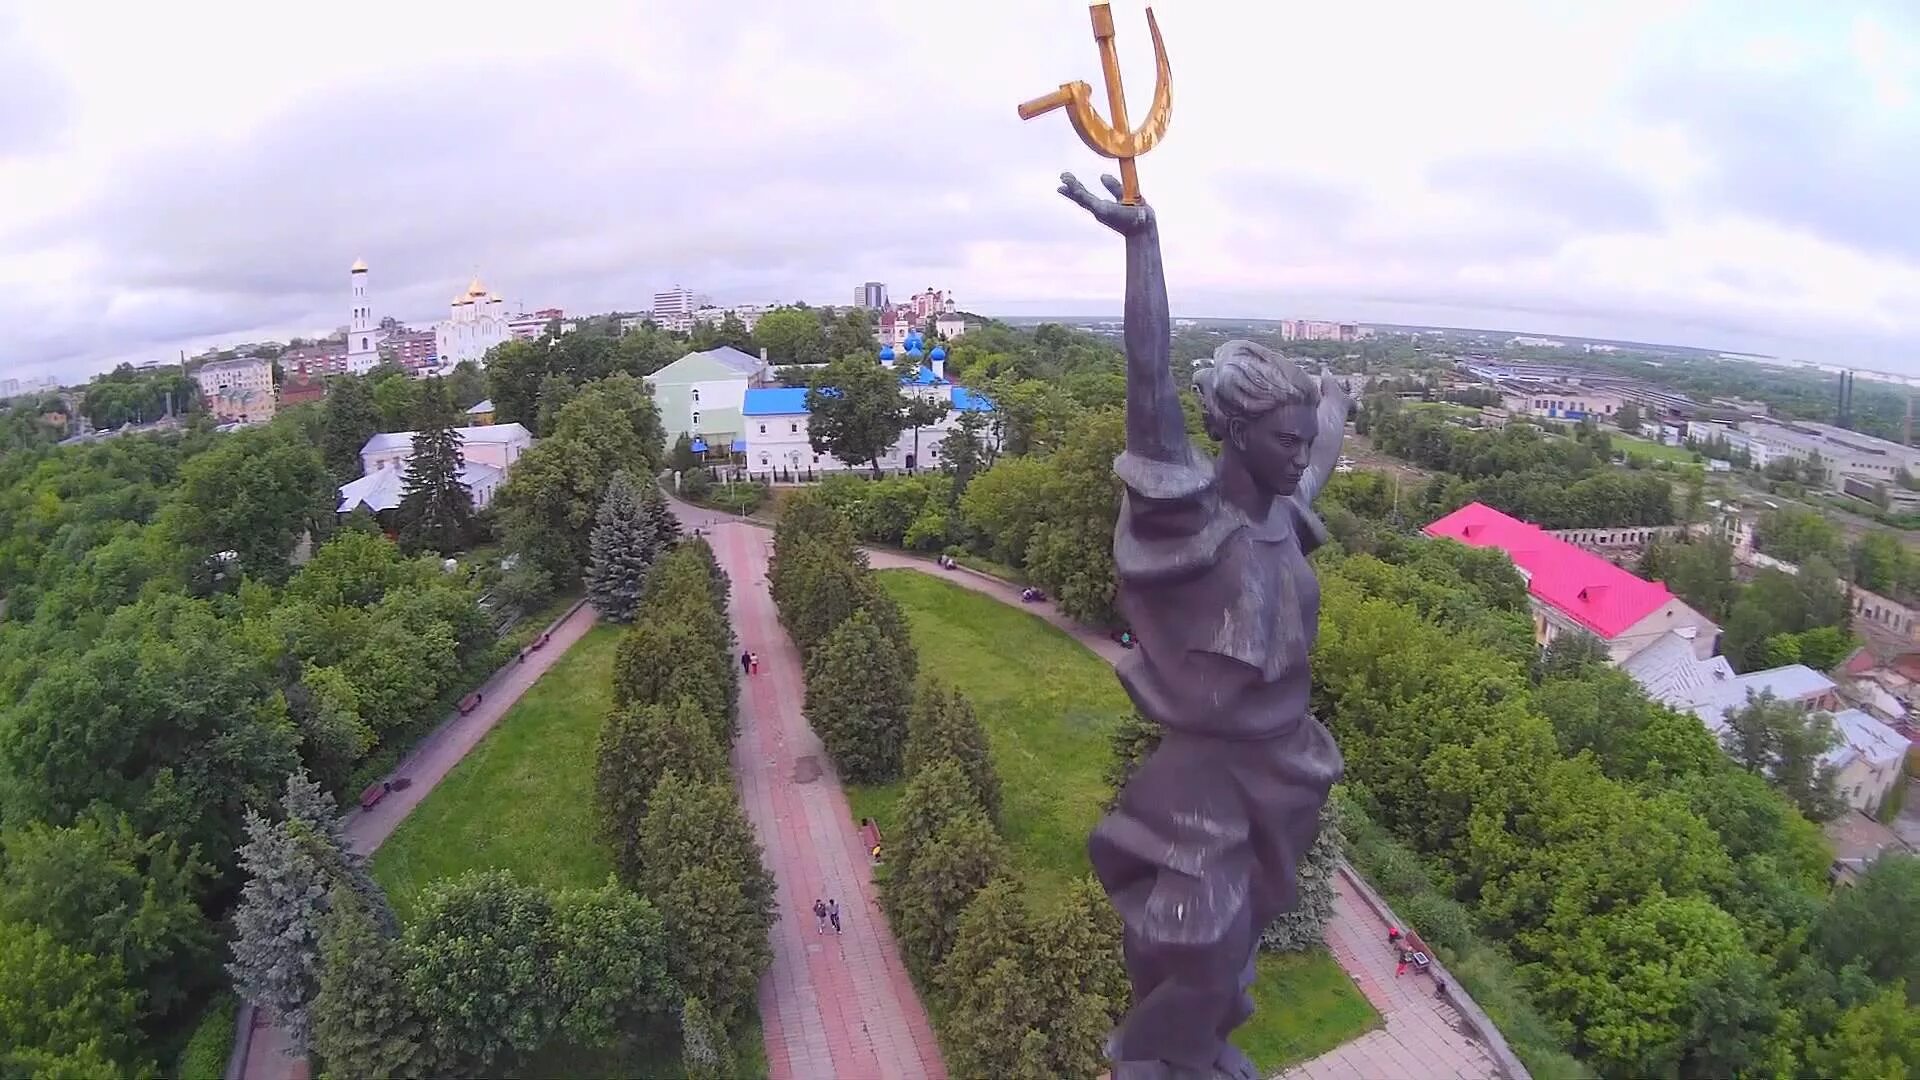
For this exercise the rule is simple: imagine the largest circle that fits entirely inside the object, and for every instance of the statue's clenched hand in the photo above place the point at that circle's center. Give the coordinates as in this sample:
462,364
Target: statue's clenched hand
1125,219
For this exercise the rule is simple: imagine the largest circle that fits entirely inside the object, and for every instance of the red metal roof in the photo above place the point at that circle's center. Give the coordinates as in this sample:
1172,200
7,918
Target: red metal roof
1581,585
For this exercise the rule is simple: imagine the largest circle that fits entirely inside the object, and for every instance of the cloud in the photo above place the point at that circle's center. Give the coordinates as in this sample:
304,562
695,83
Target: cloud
1825,146
1572,189
36,104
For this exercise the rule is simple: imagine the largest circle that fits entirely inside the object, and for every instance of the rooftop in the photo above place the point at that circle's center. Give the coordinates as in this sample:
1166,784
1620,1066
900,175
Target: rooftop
1863,737
1586,588
1669,671
381,489
776,401
1794,682
490,433
478,407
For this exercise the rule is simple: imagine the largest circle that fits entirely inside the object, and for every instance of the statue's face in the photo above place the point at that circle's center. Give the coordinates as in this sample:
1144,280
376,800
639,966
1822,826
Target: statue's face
1275,446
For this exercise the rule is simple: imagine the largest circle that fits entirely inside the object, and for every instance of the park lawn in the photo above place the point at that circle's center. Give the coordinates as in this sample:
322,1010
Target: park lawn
522,801
1647,448
1049,705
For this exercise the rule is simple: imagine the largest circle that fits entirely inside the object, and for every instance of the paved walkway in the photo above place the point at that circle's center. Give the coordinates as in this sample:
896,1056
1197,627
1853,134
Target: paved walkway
1421,1036
430,762
831,1006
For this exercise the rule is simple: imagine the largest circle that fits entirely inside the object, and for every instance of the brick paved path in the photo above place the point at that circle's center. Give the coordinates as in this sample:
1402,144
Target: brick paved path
830,1006
266,1055
1421,1036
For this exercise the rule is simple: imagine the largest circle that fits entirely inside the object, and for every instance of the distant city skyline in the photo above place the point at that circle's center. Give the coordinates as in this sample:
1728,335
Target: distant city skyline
1700,172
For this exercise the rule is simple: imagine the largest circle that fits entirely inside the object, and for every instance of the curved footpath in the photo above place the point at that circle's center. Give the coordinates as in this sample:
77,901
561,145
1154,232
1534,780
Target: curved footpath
261,1049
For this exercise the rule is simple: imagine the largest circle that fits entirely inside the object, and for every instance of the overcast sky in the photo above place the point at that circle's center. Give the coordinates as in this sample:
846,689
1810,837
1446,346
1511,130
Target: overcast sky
1738,175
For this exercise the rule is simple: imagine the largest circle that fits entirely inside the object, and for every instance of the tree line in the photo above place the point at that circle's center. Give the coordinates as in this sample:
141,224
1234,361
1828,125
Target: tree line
1664,910
666,802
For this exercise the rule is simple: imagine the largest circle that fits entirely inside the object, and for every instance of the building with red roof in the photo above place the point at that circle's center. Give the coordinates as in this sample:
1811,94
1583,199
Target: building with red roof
1574,590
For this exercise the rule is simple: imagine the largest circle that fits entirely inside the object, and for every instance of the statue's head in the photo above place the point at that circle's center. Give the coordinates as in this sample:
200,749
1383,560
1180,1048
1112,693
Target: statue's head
1262,409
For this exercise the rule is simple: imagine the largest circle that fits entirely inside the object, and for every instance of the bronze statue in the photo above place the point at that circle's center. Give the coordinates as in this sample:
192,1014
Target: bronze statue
1201,853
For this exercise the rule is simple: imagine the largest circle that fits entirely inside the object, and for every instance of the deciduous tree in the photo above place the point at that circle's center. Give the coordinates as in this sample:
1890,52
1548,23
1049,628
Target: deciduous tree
857,411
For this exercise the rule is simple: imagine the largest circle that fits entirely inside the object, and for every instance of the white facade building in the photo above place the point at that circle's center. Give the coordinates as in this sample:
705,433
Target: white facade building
777,435
488,452
950,326
748,314
701,393
363,330
240,374
476,321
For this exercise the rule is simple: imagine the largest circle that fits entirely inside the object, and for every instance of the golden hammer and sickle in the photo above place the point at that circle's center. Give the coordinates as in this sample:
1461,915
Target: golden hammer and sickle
1114,140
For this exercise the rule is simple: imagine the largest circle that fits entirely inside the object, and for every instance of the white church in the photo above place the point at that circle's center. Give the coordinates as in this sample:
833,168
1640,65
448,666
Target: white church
477,321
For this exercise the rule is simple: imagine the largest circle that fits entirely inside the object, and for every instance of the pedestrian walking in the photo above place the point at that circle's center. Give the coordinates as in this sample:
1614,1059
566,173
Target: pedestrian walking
1406,957
746,662
833,914
753,663
819,916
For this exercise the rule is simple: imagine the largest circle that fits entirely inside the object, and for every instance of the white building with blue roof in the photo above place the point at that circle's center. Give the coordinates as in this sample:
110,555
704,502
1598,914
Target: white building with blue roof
775,419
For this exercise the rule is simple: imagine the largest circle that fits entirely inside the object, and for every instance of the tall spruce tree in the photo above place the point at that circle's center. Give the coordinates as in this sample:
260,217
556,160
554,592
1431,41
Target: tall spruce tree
658,518
699,823
276,928
858,697
1079,980
364,1022
937,886
348,419
937,794
624,546
436,509
640,744
1303,927
943,725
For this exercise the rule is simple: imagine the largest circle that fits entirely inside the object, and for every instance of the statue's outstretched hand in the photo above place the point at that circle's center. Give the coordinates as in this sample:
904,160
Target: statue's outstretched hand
1125,219
1336,403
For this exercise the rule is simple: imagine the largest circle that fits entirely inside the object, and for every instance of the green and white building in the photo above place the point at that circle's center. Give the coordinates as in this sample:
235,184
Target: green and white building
701,394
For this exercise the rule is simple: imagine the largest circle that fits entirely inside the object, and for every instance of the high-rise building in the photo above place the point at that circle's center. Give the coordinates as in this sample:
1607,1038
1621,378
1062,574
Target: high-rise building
871,296
679,300
363,335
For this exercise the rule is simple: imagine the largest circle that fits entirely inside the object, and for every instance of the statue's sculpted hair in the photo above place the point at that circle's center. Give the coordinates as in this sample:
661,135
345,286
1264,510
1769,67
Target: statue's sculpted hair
1247,381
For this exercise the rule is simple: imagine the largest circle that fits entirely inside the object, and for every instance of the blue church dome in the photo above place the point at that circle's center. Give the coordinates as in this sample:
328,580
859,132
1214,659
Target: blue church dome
938,353
886,353
913,348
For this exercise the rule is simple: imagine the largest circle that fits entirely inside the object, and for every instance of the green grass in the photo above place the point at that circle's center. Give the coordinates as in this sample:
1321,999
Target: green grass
1646,448
522,800
1049,705
1303,1006
205,1057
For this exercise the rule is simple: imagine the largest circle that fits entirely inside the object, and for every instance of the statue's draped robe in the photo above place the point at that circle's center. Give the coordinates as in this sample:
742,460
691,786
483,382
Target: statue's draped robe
1201,853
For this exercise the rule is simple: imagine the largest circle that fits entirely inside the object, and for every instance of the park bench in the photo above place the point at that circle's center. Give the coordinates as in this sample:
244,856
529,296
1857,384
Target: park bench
470,703
541,640
870,833
373,794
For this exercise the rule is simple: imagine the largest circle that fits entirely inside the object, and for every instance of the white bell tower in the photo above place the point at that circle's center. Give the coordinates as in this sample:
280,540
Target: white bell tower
363,338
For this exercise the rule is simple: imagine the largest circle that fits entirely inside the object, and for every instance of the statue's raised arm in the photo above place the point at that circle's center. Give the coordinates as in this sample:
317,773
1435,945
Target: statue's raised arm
1156,426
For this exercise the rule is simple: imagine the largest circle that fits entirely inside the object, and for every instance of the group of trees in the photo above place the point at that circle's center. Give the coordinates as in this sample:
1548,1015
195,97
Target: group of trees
860,662
1518,469
1876,560
1776,619
125,396
1020,993
664,793
1662,902
488,972
185,623
548,505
